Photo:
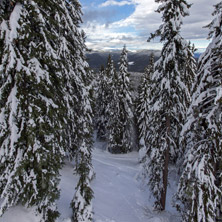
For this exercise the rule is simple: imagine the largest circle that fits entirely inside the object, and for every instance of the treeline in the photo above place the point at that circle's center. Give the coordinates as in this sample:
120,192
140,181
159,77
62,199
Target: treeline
114,106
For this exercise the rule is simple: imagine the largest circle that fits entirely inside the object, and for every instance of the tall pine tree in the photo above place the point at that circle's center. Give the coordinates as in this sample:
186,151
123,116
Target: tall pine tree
45,104
190,68
101,104
79,103
199,192
30,110
169,99
142,106
120,119
112,104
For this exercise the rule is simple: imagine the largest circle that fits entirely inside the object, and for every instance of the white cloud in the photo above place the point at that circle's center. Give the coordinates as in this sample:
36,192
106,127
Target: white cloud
143,16
115,3
144,20
106,37
101,37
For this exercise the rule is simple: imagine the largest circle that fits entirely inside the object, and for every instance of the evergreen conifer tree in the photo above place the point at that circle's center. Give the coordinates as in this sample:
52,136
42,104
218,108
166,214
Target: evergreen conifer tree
121,109
199,189
101,104
104,95
82,201
45,108
31,121
190,67
142,108
169,99
78,97
111,107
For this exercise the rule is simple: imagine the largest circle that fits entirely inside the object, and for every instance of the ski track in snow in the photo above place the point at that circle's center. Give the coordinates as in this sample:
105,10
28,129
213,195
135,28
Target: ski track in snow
118,195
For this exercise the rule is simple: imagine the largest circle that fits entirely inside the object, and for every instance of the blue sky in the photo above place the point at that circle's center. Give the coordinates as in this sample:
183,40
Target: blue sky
109,24
102,13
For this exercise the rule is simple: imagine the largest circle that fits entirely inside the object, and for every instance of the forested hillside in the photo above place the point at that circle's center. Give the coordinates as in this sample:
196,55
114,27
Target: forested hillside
137,60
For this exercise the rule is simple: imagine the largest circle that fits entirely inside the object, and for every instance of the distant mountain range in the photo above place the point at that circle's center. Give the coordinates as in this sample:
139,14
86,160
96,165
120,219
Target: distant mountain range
137,60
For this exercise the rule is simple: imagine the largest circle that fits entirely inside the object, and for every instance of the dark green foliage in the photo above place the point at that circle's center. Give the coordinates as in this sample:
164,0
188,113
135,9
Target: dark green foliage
142,105
45,108
31,143
101,104
199,189
190,67
119,108
168,99
6,7
82,202
79,101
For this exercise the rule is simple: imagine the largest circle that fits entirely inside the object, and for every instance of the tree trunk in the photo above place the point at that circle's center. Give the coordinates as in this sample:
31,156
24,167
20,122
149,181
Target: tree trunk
165,170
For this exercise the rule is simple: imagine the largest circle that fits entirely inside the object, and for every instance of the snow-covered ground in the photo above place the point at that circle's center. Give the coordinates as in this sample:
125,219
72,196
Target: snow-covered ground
119,196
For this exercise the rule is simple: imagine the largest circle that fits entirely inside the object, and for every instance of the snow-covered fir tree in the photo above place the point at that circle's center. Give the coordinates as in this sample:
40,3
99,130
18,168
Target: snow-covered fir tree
142,106
200,189
101,104
45,110
82,201
31,121
79,103
169,99
190,67
105,94
112,103
6,7
120,113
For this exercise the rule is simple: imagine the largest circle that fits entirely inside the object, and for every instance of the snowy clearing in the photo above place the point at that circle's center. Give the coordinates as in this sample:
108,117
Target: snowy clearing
118,195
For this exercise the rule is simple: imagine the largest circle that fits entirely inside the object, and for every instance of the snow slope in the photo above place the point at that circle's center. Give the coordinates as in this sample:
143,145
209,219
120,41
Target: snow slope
119,196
